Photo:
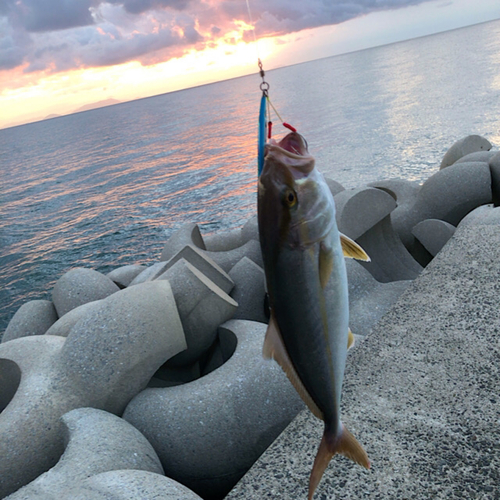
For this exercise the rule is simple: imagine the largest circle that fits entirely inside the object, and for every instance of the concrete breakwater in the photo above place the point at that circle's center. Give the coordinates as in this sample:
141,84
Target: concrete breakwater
149,381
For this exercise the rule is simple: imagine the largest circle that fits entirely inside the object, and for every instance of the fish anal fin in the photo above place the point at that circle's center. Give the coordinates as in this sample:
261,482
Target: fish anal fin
350,339
325,264
344,444
352,250
275,348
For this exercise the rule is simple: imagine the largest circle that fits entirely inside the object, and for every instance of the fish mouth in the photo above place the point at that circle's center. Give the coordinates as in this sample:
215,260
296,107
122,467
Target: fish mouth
292,145
292,151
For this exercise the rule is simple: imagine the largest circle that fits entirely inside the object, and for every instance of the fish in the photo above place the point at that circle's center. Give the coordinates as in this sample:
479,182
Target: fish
303,254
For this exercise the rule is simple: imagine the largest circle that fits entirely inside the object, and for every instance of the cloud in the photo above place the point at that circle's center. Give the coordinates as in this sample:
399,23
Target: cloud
57,35
48,15
280,17
14,45
139,6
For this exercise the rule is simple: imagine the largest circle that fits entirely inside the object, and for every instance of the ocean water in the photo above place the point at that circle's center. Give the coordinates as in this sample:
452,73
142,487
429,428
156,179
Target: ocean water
107,187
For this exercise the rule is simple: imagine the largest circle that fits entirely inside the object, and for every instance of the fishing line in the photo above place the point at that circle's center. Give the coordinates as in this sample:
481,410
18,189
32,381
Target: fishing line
265,105
253,30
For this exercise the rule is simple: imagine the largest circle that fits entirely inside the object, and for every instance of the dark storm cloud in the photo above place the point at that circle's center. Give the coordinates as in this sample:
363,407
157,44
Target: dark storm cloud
89,47
139,6
48,15
273,17
14,45
62,34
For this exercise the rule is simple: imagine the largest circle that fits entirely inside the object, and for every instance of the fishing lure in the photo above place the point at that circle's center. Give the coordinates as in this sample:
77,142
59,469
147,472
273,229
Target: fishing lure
266,125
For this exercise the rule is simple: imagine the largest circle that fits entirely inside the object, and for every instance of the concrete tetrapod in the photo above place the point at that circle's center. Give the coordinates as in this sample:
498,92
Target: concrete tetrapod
481,156
209,432
364,215
433,234
131,485
227,260
223,241
358,210
188,234
149,274
108,357
465,146
494,164
63,326
202,307
200,259
334,186
487,215
224,259
249,290
124,275
32,318
221,350
390,261
79,286
369,300
96,442
250,230
405,193
449,195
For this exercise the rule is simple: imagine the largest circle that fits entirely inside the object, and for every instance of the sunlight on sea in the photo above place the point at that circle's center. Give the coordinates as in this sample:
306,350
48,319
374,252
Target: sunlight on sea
107,187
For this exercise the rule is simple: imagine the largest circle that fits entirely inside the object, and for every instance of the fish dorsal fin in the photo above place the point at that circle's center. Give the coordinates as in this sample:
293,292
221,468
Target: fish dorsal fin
274,348
350,339
325,264
352,250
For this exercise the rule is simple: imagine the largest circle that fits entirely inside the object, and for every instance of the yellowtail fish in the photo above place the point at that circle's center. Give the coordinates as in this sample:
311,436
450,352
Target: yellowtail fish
303,253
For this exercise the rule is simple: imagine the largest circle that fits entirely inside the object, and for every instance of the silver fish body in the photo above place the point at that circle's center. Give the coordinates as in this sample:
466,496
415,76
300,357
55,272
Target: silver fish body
307,285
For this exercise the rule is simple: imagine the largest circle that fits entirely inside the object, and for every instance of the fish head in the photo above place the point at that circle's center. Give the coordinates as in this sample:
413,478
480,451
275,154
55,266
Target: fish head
295,205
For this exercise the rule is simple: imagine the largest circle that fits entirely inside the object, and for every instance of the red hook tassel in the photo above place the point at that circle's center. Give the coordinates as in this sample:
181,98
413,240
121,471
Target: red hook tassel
287,125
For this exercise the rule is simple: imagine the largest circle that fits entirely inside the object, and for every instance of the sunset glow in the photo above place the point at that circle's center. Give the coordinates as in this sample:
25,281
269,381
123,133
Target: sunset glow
229,57
123,50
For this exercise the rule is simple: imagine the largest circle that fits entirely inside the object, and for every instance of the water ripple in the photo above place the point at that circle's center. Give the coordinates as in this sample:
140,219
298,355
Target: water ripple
107,187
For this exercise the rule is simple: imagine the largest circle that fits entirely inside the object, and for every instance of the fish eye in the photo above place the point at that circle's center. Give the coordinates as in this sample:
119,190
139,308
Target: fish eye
290,197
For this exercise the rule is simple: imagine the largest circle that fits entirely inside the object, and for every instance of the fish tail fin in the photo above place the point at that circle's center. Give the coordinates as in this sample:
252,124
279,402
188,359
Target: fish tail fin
343,444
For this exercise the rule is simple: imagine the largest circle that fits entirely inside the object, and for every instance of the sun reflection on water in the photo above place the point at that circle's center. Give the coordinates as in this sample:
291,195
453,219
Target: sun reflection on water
107,187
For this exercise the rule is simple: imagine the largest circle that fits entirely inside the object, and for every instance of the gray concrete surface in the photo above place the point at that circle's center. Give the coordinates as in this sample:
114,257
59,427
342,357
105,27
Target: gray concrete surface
202,307
433,234
95,442
124,275
108,357
64,325
421,393
79,286
464,146
131,485
249,290
208,433
187,234
32,318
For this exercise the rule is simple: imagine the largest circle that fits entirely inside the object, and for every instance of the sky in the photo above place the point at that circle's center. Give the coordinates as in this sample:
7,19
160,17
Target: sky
59,55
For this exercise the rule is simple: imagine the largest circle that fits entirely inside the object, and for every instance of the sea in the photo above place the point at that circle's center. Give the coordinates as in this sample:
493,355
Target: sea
107,187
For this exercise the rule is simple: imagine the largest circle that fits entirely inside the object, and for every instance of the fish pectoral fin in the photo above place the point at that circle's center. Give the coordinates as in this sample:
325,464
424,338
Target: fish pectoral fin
352,250
275,348
350,339
325,264
344,444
